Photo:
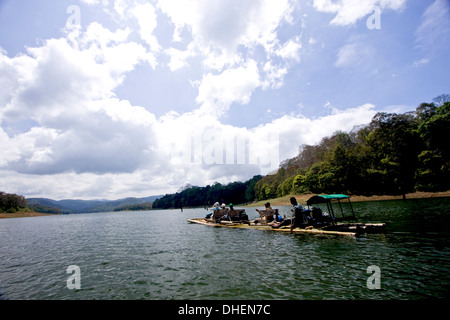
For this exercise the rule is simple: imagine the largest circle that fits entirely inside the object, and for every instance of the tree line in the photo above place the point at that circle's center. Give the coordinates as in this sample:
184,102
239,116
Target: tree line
135,207
10,202
194,196
394,154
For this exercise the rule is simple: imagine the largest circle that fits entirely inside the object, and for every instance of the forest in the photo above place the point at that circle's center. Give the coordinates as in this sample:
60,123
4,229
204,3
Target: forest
192,196
11,203
392,155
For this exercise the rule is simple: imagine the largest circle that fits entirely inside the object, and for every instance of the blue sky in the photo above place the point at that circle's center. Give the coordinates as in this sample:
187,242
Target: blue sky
112,98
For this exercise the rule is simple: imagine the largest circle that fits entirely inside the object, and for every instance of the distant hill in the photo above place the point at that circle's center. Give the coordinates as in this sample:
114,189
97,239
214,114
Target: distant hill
85,206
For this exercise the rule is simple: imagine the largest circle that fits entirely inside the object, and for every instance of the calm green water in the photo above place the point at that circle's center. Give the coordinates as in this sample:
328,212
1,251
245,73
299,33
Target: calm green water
159,255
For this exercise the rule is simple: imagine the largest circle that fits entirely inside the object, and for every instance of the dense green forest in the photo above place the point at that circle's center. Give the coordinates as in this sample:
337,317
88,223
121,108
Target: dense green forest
394,154
11,203
191,196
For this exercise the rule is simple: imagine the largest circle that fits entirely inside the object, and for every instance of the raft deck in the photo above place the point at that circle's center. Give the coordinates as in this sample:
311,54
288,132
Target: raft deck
286,229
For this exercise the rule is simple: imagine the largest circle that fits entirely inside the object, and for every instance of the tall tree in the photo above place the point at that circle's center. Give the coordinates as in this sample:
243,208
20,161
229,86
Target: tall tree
395,145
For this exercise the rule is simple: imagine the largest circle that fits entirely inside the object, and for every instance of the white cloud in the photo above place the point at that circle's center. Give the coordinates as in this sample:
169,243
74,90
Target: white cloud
348,12
95,2
296,130
274,75
179,58
88,144
355,54
60,75
147,19
120,6
420,62
66,89
219,27
347,55
291,50
218,92
81,140
202,150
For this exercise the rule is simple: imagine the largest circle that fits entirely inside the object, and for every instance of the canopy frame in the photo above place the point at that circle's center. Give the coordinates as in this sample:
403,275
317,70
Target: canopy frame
329,199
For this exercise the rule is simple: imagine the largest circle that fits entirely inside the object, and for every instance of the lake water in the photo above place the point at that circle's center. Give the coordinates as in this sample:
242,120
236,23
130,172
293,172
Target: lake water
158,255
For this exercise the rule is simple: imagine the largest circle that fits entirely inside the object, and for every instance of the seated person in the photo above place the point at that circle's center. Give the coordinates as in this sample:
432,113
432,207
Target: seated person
267,207
279,221
265,218
300,217
215,207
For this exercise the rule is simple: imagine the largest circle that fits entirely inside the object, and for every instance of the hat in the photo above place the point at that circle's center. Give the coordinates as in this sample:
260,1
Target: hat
230,205
216,204
223,205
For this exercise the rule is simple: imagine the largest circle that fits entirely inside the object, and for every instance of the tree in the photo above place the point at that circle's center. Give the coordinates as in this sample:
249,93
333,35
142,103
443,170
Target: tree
194,196
395,146
11,202
432,174
266,192
434,162
441,100
435,130
250,194
299,184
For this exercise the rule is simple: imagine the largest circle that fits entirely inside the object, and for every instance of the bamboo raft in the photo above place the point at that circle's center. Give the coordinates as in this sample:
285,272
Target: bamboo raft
329,224
287,229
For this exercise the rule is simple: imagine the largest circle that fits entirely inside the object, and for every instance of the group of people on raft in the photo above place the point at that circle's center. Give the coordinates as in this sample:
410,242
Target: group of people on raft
301,218
221,212
218,207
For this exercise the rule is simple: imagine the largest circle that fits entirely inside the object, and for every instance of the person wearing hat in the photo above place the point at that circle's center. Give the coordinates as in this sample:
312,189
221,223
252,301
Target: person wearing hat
224,207
215,207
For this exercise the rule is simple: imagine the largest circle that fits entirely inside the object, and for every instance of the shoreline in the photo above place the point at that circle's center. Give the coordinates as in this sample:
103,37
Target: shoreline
302,198
24,214
281,201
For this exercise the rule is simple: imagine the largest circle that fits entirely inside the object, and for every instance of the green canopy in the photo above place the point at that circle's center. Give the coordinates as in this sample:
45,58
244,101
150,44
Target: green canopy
328,198
323,198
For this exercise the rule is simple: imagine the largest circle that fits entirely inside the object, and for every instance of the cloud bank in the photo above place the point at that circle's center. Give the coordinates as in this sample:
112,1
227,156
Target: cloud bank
65,133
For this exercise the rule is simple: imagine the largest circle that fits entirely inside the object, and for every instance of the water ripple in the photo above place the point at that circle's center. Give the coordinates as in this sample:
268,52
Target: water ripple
158,255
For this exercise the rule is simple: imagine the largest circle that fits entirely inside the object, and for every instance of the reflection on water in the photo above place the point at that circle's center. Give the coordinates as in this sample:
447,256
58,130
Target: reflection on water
159,255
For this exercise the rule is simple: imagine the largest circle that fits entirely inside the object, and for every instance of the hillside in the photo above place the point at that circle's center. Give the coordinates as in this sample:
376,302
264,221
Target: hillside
85,206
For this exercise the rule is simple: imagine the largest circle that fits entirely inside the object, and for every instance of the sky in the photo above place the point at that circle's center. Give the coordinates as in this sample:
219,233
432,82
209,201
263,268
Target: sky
107,99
